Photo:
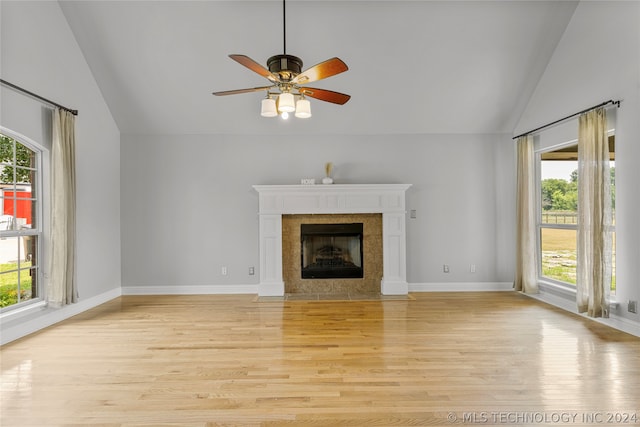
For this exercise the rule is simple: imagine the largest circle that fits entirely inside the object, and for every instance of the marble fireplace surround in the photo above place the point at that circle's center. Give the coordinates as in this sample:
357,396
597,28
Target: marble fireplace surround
386,199
368,284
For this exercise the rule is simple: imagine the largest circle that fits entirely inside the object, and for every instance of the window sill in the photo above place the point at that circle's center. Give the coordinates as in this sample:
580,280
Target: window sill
24,310
558,288
568,292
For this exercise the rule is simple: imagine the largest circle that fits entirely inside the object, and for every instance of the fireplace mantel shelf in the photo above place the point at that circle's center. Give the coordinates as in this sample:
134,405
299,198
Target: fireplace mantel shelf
331,198
278,200
329,187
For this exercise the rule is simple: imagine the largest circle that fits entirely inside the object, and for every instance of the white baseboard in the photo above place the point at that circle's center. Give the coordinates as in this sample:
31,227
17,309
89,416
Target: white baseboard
254,289
42,317
190,290
622,324
461,287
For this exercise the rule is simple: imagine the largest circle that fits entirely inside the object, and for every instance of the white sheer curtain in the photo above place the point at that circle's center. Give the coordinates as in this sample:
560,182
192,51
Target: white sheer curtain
594,215
62,249
526,252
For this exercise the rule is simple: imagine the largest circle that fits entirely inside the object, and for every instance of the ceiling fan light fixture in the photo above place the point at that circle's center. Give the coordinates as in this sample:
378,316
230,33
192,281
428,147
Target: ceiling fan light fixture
269,108
286,103
285,74
303,109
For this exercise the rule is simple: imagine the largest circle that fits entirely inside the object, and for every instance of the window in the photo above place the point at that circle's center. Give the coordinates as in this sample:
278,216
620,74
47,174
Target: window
558,212
20,228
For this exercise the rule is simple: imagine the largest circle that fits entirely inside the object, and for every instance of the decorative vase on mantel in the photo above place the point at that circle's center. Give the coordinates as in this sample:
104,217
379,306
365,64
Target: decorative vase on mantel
327,170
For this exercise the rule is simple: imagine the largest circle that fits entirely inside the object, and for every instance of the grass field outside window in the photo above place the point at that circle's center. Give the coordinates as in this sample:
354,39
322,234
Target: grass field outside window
14,281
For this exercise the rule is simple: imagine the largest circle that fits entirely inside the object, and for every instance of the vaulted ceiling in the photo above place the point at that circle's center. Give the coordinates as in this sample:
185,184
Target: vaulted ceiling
414,66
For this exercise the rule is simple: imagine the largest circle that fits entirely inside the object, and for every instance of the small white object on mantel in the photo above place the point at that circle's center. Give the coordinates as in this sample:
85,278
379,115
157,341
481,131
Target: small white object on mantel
387,199
308,181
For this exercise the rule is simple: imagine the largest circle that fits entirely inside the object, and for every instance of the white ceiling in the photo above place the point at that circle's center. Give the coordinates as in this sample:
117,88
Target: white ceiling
414,66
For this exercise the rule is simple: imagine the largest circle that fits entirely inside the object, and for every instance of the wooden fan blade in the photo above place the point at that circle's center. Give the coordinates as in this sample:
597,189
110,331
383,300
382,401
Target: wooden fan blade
325,95
237,91
255,67
320,71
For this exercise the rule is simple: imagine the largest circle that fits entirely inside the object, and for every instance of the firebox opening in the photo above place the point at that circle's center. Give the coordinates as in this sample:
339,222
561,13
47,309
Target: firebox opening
331,251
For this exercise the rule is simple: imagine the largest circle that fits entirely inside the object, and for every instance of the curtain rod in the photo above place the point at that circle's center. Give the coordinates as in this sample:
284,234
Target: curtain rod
617,103
38,97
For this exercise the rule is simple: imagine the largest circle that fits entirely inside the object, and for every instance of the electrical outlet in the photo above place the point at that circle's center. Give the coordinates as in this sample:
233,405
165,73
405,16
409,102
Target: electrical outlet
412,214
224,270
252,271
632,306
445,268
472,268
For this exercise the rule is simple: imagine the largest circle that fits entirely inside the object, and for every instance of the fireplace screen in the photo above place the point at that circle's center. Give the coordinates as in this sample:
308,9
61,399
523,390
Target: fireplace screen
331,251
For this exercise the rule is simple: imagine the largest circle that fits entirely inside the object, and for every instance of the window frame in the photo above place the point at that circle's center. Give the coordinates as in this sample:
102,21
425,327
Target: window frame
539,151
539,211
41,157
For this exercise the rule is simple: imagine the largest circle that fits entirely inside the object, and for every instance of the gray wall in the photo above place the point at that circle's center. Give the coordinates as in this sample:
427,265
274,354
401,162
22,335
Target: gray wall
40,54
598,59
188,207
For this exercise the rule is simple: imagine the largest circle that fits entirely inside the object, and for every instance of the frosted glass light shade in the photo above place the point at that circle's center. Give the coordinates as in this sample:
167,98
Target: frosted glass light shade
269,108
286,103
303,109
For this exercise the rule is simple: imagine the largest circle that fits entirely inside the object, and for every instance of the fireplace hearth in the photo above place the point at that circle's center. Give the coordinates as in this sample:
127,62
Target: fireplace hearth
331,251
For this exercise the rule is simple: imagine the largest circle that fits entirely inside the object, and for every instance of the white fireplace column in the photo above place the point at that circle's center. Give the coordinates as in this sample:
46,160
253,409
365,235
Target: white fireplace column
387,199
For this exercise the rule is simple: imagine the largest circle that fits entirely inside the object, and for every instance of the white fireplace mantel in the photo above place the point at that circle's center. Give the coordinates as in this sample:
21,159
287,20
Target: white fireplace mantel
387,199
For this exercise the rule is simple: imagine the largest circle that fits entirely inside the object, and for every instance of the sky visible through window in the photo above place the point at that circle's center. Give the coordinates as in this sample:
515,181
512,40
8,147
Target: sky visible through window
558,170
561,170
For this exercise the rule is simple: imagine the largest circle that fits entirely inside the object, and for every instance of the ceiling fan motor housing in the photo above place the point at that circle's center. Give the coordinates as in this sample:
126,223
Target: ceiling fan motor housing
286,66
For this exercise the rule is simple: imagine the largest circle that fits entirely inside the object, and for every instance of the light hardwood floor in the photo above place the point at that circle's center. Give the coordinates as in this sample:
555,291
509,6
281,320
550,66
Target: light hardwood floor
439,359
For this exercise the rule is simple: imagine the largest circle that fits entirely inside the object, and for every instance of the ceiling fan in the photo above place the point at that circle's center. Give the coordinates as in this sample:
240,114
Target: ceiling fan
286,77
